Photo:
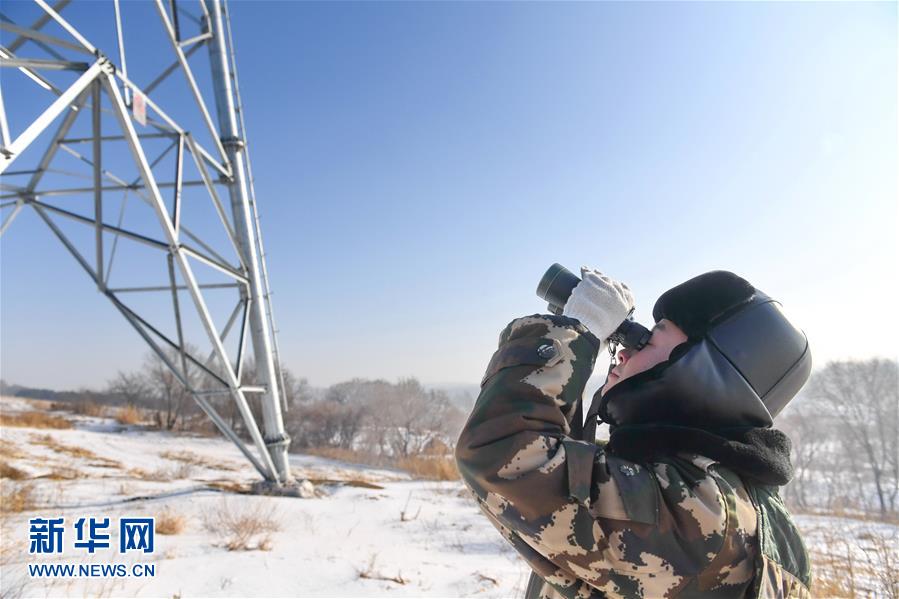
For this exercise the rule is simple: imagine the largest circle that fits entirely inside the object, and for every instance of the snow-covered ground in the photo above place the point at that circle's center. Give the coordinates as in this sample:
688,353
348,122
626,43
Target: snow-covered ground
374,533
367,532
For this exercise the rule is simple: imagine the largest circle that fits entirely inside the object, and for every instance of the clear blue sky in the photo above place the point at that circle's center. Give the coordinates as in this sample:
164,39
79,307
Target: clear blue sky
419,165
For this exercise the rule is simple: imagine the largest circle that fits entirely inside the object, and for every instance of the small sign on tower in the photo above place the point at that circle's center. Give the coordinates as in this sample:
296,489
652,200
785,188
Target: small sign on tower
139,108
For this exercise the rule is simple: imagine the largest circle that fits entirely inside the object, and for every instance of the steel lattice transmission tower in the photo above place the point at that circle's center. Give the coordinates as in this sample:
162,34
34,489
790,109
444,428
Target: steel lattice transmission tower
133,135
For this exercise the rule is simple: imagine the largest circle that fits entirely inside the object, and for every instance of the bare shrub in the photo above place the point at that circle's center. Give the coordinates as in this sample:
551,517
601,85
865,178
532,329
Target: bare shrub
199,424
240,525
405,514
16,497
370,573
87,407
129,415
182,470
34,420
883,556
170,523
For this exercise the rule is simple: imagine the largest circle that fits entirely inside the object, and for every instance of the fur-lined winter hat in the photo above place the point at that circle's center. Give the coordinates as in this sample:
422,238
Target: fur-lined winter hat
697,304
742,363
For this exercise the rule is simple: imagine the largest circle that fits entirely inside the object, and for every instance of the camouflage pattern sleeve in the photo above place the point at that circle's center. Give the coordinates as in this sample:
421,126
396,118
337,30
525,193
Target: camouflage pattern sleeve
589,524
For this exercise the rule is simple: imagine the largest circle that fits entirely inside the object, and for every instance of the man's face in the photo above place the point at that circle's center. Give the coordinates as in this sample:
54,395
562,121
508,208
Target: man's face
665,336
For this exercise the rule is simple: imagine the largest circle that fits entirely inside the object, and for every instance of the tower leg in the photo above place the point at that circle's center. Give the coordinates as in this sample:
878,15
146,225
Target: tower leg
276,438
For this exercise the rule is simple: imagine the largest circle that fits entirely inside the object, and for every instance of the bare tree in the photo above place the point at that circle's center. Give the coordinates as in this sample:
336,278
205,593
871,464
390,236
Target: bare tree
129,387
156,387
416,417
806,432
864,397
168,392
295,391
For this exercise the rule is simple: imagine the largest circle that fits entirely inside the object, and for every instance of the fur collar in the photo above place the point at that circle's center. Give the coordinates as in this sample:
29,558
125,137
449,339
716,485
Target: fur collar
761,455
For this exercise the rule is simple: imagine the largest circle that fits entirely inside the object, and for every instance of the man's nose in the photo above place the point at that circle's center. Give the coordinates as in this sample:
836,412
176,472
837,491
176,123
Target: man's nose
624,355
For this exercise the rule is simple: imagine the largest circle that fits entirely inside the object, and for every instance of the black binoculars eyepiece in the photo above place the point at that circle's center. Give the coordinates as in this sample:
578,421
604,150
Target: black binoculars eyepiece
556,286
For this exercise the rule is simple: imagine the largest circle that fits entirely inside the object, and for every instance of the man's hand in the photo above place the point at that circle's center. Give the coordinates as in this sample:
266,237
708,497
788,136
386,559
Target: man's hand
599,302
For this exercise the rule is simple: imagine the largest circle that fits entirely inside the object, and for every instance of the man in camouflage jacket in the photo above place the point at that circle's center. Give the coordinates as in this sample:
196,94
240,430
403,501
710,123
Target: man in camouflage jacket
662,510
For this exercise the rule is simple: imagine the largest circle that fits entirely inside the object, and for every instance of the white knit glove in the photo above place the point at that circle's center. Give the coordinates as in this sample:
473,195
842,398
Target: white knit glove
599,302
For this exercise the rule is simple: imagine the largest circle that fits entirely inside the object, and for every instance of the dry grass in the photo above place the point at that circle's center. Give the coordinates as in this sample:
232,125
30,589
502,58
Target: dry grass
430,467
44,405
12,585
346,455
170,523
129,415
76,452
63,473
82,407
16,497
244,527
199,425
9,451
34,420
353,481
182,470
188,457
229,486
850,514
11,472
843,566
138,473
90,408
163,474
882,552
50,443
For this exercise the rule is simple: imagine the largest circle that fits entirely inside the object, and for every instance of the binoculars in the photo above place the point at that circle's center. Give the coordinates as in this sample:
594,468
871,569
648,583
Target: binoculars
556,286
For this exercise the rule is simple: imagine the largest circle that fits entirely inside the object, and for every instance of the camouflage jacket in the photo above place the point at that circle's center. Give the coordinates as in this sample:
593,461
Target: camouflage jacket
590,524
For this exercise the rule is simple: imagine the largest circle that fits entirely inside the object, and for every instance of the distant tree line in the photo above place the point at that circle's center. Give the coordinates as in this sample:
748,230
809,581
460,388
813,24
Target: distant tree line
375,417
845,433
844,425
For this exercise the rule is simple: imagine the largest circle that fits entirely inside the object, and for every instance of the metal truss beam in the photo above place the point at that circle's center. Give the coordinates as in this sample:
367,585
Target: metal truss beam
187,275
226,165
38,24
15,149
